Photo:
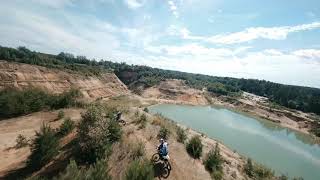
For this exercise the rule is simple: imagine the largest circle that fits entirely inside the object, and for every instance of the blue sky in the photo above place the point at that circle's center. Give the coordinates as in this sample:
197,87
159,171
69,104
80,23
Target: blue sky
273,40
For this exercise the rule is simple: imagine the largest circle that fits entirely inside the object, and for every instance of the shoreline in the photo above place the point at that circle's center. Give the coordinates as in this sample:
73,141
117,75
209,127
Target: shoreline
241,110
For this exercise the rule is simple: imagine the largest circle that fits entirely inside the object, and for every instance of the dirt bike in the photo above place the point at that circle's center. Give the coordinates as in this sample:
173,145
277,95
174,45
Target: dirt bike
166,168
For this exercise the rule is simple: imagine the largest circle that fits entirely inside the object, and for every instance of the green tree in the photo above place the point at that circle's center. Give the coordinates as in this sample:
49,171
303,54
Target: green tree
44,147
96,133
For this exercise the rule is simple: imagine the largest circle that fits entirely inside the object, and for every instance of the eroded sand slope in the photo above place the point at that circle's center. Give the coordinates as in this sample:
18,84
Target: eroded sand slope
56,81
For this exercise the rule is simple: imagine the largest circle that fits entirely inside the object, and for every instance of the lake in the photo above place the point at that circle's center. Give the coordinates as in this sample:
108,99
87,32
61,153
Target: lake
285,151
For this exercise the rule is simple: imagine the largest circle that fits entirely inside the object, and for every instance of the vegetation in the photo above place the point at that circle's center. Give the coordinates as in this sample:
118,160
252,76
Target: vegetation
96,134
140,169
137,150
14,102
301,98
21,141
194,147
66,127
97,171
164,132
142,121
181,135
213,161
146,110
257,171
60,114
44,147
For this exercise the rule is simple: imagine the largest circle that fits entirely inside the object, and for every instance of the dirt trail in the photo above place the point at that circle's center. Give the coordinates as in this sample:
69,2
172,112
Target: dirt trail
183,166
12,158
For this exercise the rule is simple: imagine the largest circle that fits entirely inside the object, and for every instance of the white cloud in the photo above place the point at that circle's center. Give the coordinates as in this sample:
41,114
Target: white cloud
249,34
134,4
308,53
173,8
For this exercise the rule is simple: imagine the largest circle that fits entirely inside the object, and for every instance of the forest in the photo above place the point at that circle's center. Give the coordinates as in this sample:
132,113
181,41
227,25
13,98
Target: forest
306,99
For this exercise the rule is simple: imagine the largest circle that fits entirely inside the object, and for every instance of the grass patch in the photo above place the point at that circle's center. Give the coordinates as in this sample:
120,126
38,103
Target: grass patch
21,141
140,169
257,171
164,133
194,147
181,135
66,127
60,114
213,162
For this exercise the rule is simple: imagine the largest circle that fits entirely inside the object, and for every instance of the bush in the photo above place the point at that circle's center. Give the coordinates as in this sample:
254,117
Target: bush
213,161
66,127
146,110
137,151
217,175
97,171
14,102
248,168
140,169
142,121
96,133
60,114
164,132
194,147
257,171
181,135
44,147
21,141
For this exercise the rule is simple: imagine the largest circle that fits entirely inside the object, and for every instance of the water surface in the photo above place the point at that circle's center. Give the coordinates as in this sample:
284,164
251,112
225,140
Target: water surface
285,151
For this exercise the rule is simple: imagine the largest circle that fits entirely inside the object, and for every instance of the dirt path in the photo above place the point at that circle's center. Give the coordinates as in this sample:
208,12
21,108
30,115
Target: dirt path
12,158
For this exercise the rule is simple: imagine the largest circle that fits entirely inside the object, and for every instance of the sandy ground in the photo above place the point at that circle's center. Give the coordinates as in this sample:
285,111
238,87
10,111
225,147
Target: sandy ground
12,158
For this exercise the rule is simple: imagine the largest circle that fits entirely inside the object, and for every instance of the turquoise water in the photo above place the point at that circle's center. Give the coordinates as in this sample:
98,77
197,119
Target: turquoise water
285,151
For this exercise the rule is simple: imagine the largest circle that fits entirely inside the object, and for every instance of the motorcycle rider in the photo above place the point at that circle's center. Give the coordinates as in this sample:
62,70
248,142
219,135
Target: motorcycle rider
163,148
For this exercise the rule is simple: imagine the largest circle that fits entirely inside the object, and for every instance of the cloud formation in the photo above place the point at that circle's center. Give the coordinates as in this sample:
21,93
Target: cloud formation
173,8
134,4
247,35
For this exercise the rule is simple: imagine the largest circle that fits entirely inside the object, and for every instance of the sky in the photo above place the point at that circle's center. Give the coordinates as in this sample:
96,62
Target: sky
275,40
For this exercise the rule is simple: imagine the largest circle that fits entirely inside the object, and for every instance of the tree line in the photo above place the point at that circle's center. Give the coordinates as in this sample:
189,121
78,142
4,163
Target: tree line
306,99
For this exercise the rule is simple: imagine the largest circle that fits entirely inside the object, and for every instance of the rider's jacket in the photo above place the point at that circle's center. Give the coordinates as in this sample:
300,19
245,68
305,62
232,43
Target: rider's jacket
163,149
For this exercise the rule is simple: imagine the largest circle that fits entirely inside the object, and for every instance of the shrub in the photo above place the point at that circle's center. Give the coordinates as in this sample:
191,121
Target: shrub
213,161
164,132
60,114
137,151
248,168
97,171
21,141
257,171
142,121
194,147
96,133
44,147
140,169
14,102
66,127
146,110
181,135
217,175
